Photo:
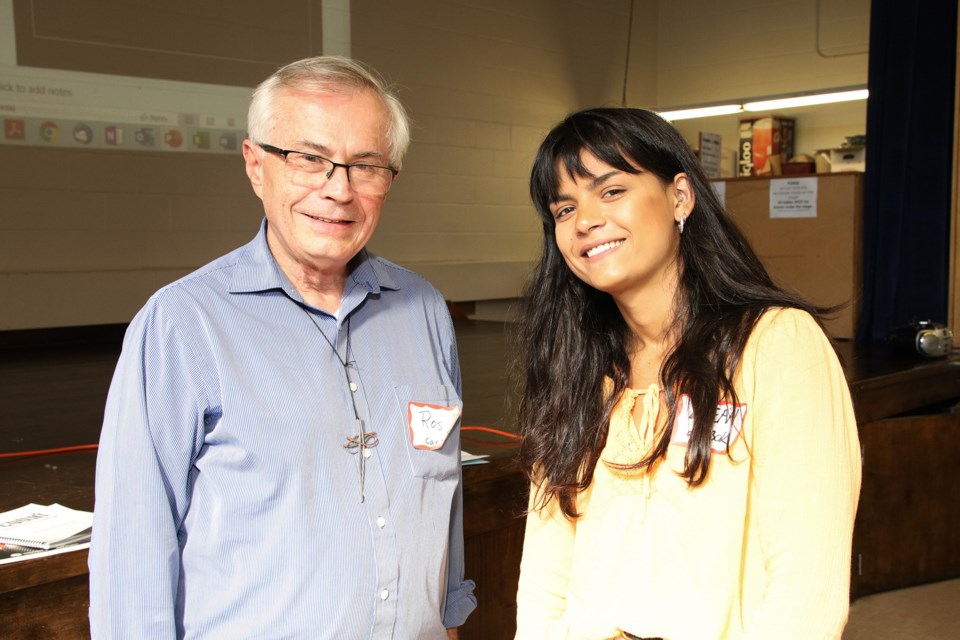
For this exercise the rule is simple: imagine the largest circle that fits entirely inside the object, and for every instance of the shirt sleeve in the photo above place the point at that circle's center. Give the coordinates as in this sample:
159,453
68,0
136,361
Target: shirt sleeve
544,572
153,426
806,480
460,600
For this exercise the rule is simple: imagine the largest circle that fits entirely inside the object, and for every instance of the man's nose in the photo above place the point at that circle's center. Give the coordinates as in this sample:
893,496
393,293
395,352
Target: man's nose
337,183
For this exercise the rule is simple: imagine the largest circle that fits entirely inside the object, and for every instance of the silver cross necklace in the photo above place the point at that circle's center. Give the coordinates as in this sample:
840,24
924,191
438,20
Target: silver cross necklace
359,444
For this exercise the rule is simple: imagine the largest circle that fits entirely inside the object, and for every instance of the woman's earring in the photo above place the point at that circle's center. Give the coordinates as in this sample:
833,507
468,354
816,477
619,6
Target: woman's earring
682,219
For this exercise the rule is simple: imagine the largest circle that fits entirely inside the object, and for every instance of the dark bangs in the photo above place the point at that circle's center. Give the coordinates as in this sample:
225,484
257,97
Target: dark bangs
623,139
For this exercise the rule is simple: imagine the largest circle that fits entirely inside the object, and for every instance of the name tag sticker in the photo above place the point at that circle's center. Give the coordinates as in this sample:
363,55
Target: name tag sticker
430,424
726,424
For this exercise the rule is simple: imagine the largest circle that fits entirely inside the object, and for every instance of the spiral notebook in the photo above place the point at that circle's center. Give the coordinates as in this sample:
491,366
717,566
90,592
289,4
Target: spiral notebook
44,526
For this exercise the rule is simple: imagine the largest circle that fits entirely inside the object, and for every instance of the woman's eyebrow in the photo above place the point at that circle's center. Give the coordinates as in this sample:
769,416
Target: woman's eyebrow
603,178
594,183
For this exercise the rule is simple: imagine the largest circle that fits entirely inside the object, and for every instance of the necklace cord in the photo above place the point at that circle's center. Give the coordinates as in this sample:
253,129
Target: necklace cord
359,443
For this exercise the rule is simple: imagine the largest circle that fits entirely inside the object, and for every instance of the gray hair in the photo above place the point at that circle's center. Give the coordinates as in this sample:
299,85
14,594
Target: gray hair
329,73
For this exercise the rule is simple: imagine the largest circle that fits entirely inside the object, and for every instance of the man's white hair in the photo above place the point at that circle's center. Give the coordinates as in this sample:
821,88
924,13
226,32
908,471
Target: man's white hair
329,73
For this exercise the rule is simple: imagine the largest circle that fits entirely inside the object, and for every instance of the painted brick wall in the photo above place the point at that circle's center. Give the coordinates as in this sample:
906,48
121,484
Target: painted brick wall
484,81
86,237
718,51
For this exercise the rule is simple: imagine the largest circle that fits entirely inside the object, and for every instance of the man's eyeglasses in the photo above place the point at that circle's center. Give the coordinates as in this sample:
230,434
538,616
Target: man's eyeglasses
311,170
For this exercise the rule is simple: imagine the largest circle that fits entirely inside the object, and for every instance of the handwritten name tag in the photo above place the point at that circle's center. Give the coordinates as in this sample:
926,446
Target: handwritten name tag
726,424
430,424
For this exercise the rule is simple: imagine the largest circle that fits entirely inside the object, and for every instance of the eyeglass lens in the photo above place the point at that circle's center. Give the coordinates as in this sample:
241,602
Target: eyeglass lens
311,170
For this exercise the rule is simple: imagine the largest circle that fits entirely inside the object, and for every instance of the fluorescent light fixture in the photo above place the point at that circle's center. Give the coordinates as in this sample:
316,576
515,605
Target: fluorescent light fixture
806,101
844,94
701,112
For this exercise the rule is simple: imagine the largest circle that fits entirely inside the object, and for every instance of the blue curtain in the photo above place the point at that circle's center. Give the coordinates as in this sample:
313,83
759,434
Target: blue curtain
907,185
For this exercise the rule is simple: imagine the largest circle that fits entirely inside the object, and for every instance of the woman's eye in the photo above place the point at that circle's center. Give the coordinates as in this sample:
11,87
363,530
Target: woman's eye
612,193
562,212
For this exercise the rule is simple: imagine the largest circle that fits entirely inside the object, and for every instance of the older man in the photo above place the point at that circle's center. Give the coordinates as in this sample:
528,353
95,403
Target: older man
280,450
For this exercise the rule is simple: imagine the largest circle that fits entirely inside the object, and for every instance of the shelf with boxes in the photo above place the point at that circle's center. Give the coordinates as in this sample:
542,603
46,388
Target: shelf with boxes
766,147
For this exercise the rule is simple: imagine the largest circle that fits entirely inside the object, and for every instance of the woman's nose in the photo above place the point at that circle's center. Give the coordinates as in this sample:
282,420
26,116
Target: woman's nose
588,218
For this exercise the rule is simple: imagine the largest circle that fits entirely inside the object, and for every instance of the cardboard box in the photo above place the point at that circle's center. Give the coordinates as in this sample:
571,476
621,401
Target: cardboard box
761,138
848,159
798,168
820,257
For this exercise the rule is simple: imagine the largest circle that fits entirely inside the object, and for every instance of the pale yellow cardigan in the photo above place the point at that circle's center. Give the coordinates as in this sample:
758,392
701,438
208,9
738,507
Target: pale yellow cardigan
759,551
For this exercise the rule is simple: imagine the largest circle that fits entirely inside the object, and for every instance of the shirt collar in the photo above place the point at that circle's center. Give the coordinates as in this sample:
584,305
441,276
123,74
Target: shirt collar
256,271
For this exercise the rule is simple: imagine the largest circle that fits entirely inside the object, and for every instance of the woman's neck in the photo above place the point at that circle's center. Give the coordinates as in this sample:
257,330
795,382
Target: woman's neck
650,317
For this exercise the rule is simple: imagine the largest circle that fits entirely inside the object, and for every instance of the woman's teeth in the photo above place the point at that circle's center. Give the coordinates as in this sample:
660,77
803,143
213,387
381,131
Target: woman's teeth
603,247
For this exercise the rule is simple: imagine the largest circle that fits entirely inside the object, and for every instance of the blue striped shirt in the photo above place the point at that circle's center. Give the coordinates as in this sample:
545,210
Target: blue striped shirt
226,504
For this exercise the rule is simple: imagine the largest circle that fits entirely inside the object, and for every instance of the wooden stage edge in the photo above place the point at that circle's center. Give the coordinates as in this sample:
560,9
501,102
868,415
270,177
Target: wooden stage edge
908,524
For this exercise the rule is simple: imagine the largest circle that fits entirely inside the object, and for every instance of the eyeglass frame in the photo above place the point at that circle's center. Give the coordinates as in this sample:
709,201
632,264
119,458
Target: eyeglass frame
269,148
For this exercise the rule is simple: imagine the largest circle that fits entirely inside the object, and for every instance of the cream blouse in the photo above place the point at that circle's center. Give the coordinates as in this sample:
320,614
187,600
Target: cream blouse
759,551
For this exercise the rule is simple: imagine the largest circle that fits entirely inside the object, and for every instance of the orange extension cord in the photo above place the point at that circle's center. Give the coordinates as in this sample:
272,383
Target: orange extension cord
505,434
85,447
513,439
41,452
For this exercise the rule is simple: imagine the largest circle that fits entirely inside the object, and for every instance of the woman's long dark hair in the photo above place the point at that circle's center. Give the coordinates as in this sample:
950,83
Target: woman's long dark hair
572,336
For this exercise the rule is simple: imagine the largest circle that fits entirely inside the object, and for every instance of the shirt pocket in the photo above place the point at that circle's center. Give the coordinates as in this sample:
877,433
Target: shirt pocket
442,463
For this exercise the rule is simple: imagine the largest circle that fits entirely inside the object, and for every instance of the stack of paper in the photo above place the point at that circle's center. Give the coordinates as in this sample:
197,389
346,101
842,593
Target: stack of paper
45,526
472,458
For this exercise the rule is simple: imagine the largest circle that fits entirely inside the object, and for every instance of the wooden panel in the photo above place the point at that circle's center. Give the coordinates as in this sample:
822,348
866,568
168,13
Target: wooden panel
908,523
494,498
493,562
41,571
54,611
924,384
907,527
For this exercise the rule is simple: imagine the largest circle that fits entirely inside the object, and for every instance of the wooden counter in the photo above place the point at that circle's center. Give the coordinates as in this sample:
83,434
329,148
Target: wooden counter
48,597
908,525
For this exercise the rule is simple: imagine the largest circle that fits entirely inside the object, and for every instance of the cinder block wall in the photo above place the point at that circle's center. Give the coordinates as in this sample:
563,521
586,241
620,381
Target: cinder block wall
86,236
733,49
484,81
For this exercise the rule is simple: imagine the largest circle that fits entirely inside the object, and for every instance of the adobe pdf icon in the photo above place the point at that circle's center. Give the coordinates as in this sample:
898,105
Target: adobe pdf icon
14,129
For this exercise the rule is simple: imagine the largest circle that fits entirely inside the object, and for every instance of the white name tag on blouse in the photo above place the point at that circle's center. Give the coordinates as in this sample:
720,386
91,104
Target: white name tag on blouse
726,425
430,424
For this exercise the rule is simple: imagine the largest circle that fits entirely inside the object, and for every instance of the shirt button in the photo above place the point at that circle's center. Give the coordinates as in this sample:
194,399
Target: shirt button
367,453
353,386
381,522
384,594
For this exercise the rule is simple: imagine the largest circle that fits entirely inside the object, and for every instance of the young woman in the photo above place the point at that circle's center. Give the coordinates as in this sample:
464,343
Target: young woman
688,431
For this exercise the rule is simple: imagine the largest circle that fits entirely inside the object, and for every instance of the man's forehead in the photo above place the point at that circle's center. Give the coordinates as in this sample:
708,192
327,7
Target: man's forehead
324,117
327,95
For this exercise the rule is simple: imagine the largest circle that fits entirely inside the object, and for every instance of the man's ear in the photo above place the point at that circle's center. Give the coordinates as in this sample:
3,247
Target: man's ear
253,161
685,199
